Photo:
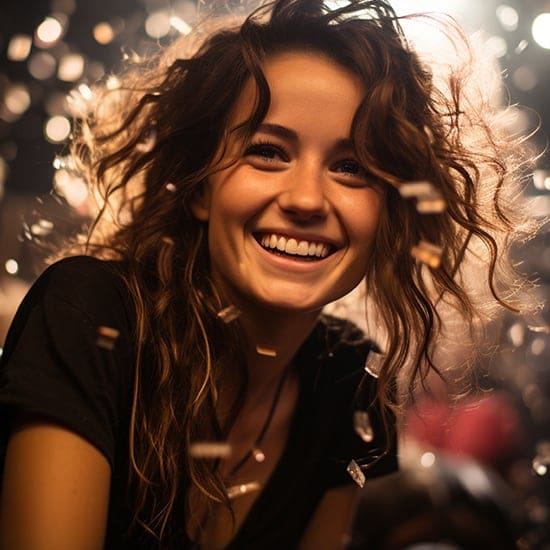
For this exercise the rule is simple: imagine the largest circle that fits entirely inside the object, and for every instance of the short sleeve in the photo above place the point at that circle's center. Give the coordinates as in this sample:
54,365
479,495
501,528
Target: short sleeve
53,363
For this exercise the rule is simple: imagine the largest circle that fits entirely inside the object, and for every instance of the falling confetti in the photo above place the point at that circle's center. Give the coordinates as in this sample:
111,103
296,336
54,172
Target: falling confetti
239,490
356,473
363,426
170,187
428,198
267,352
210,449
228,314
427,253
106,337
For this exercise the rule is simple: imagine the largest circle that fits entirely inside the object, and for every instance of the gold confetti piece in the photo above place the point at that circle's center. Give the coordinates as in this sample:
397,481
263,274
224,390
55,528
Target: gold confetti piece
429,200
168,240
427,253
416,189
170,187
228,314
431,206
239,490
363,426
106,337
356,473
267,352
210,449
542,329
258,455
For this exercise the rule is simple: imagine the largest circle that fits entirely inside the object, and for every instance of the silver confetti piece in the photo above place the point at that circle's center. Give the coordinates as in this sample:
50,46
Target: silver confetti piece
267,352
239,490
427,253
210,449
363,426
228,314
170,187
356,473
106,337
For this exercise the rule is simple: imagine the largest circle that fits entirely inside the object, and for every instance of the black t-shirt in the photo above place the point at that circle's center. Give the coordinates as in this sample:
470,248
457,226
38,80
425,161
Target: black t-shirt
52,365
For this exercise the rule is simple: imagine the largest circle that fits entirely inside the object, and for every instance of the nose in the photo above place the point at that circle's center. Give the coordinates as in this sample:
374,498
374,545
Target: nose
303,196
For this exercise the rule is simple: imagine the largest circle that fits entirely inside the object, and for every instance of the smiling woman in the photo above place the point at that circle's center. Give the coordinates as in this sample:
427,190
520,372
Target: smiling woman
174,383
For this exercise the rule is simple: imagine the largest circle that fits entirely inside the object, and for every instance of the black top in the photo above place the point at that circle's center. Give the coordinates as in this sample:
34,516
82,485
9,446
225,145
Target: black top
52,365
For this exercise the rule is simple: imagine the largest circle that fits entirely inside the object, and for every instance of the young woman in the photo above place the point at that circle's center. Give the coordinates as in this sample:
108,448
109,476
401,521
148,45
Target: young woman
177,385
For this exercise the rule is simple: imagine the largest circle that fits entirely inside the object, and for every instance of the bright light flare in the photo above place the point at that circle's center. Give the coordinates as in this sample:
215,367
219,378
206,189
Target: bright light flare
11,266
73,188
48,33
541,30
104,33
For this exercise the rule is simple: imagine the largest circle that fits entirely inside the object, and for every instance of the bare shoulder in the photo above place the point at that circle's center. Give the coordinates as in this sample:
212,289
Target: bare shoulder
332,519
55,489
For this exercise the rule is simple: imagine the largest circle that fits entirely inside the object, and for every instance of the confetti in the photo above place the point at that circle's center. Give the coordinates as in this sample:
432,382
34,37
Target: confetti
106,337
258,455
373,364
168,240
363,426
429,200
210,449
427,253
356,473
228,314
239,490
170,187
267,352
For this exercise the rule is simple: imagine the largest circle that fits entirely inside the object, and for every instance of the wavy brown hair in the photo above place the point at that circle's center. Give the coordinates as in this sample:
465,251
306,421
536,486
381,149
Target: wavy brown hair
147,148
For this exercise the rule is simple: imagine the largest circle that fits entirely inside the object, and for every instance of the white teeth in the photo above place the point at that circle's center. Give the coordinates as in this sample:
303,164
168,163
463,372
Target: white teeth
303,248
293,247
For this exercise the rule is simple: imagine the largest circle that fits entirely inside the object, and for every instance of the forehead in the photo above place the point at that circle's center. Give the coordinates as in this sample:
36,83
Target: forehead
307,82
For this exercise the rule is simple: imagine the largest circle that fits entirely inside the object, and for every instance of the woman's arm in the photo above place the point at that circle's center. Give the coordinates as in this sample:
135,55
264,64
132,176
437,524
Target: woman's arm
55,490
331,522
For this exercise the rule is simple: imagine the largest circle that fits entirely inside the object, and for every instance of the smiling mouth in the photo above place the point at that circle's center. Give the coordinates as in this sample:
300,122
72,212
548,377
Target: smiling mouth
294,248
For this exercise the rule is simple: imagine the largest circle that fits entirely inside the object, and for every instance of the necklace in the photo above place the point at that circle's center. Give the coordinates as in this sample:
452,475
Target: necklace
255,450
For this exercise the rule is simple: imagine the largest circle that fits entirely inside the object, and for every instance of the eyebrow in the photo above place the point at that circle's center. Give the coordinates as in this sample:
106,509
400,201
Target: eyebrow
286,133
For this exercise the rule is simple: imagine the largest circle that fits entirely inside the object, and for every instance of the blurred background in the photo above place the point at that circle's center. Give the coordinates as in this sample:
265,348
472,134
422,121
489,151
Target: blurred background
49,48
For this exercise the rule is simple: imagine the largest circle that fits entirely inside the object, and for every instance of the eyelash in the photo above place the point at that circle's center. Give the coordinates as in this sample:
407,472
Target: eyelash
260,148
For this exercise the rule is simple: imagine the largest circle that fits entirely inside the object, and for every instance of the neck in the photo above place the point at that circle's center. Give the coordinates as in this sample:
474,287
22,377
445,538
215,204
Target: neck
273,339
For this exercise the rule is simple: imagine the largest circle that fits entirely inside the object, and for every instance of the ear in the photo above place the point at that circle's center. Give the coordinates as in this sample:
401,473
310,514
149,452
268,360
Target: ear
200,204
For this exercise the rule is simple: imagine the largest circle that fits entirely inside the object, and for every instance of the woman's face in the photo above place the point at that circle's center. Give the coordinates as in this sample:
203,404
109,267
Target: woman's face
292,222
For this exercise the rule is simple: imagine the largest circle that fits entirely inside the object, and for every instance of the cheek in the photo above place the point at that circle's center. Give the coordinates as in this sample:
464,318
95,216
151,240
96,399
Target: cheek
364,219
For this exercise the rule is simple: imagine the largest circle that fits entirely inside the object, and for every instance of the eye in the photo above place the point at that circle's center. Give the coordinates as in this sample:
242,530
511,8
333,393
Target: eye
267,152
351,167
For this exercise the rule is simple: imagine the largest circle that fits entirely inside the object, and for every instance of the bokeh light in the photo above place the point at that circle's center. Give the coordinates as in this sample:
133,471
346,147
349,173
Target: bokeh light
48,33
541,30
19,47
57,129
